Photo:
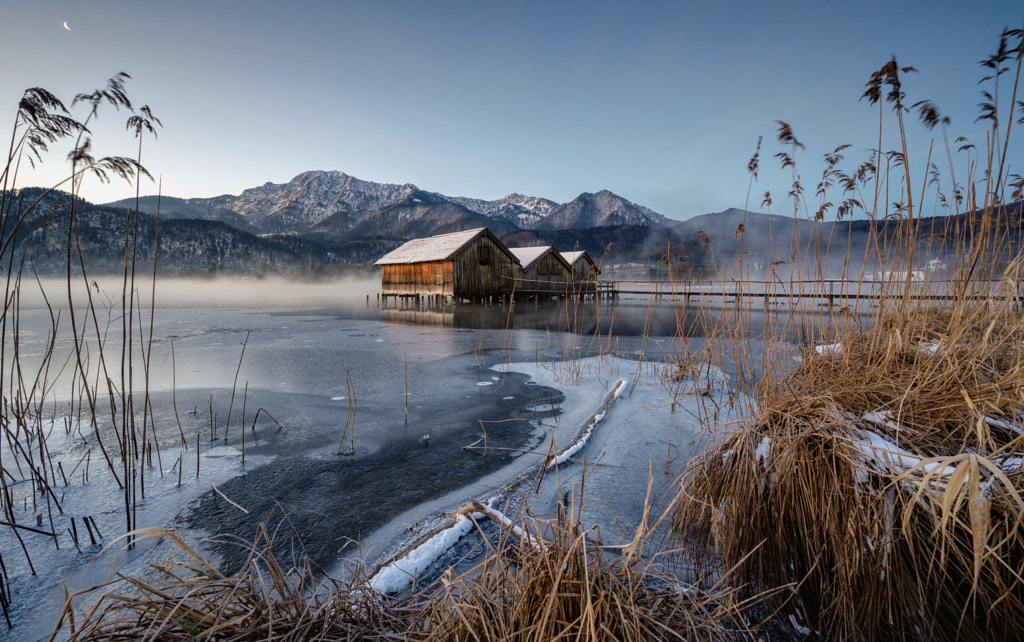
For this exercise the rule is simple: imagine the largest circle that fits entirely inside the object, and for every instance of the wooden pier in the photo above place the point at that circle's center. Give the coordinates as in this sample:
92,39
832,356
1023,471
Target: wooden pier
828,291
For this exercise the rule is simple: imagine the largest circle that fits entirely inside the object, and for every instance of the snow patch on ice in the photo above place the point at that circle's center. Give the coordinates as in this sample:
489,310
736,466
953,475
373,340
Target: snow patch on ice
59,432
598,417
223,451
402,572
485,383
338,398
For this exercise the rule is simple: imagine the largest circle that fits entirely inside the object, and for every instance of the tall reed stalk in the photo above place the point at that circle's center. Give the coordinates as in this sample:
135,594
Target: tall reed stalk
102,410
880,475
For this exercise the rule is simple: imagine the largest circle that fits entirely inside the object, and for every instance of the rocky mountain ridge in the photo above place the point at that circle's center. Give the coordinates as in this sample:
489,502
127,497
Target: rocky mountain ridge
340,205
207,235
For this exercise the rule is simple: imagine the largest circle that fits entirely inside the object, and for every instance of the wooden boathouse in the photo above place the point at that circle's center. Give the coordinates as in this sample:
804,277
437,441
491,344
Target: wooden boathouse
472,266
584,269
542,272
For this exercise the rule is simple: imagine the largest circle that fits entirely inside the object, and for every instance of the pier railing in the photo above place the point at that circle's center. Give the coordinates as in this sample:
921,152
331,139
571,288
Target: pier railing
828,290
824,291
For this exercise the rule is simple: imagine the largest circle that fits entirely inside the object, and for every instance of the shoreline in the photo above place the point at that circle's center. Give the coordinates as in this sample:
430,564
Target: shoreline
621,437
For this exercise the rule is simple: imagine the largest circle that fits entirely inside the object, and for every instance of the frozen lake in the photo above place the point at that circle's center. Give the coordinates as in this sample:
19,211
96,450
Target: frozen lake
308,350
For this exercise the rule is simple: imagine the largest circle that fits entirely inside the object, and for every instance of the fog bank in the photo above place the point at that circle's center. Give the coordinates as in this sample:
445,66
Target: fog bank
227,292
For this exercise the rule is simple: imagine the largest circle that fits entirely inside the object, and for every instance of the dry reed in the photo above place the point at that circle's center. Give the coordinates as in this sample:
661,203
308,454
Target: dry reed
545,580
186,598
551,582
882,476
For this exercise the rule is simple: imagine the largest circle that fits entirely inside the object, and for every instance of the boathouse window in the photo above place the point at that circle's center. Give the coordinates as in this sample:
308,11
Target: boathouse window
542,268
485,255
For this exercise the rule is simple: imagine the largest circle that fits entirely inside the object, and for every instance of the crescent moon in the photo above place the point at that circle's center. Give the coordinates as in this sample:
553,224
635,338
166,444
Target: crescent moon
66,25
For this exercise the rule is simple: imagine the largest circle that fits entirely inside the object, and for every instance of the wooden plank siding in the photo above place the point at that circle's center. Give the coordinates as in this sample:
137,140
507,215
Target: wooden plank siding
473,265
431,277
482,268
548,275
584,269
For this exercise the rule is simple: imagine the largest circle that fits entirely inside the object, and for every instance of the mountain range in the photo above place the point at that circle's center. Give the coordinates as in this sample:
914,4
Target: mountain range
332,206
321,219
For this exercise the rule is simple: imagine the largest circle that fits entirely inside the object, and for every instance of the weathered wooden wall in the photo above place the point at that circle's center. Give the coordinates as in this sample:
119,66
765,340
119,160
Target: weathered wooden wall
482,269
582,272
432,277
546,275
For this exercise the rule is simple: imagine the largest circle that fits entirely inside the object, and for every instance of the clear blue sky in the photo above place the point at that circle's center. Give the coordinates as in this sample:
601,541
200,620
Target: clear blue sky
660,102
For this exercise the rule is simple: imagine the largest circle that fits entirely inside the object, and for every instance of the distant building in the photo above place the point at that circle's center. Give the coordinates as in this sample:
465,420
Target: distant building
476,266
471,265
584,269
542,271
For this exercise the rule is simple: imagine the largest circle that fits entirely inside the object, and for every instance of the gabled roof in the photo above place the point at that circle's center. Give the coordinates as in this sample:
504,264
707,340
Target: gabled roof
433,248
529,255
572,257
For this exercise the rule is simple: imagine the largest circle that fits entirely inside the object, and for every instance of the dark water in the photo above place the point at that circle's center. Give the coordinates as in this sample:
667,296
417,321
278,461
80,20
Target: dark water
322,504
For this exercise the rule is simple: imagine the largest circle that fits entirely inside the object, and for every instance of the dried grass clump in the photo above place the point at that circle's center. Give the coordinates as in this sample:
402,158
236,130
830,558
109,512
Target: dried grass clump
545,580
554,583
186,598
882,478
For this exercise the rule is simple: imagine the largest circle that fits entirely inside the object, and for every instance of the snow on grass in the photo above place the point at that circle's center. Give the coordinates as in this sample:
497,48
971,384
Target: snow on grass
1005,425
764,449
882,418
876,448
829,348
517,532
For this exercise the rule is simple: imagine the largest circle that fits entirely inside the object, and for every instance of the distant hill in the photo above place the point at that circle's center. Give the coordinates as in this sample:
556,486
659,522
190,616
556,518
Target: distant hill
603,209
766,239
185,245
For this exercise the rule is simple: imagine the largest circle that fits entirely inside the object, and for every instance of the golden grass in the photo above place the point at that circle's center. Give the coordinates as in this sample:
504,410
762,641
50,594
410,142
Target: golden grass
883,479
554,583
186,598
547,581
